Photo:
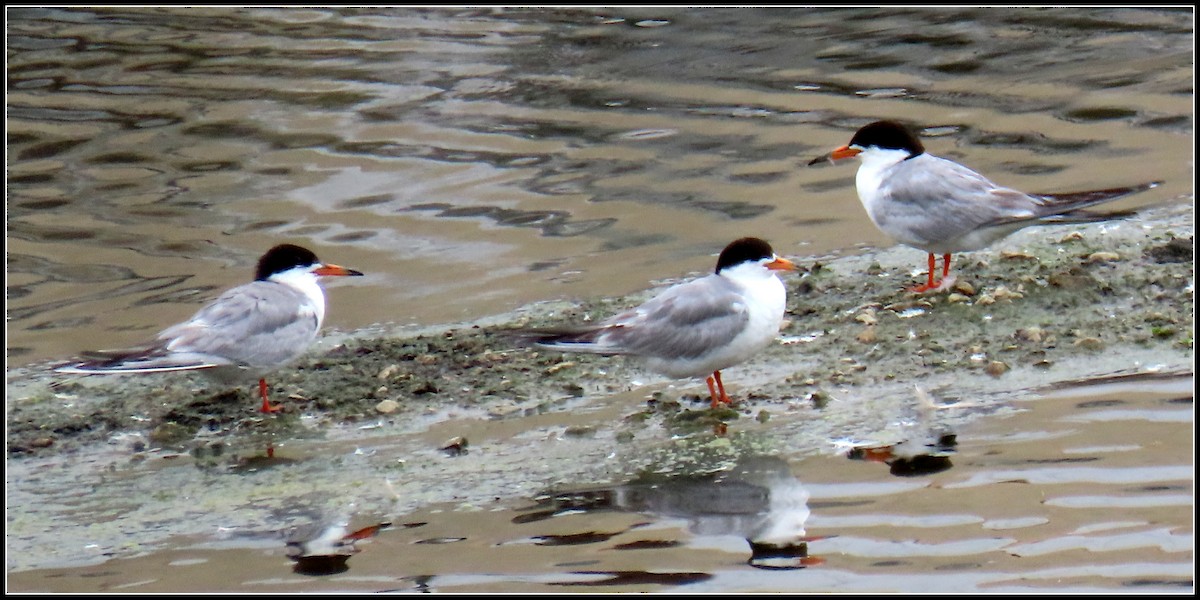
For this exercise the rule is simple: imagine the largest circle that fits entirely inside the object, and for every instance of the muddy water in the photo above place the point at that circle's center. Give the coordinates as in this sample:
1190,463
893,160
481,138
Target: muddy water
472,161
1085,487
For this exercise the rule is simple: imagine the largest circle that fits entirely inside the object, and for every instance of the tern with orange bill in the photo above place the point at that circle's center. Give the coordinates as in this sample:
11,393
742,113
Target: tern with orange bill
696,328
245,333
941,207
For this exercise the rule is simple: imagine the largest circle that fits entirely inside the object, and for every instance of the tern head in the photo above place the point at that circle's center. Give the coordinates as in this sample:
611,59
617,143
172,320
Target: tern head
286,258
886,136
752,250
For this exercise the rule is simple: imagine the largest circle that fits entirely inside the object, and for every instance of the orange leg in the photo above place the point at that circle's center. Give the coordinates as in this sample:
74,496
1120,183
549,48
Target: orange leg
266,405
930,284
717,393
712,391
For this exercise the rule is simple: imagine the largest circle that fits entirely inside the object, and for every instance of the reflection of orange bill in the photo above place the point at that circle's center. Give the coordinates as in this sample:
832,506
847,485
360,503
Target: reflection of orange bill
878,454
365,532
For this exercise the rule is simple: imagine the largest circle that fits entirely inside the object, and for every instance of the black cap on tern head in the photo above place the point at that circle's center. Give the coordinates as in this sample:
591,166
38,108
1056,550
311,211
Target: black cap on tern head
747,249
888,135
282,258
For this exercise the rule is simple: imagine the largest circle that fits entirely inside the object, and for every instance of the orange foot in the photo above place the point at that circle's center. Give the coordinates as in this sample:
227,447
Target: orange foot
267,407
930,284
718,392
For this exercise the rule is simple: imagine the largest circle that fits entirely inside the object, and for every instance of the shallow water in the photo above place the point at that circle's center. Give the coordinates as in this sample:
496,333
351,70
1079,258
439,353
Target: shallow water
1086,488
474,161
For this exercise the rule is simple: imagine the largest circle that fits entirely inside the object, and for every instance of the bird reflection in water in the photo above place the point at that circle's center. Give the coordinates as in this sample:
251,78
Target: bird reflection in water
758,499
325,547
926,449
912,457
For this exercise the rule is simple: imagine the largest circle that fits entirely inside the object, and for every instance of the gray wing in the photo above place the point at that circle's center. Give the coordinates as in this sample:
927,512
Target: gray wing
684,321
961,199
259,324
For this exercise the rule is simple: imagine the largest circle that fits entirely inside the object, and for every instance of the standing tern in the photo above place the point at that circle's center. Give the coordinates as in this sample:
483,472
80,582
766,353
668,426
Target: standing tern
941,207
246,332
695,328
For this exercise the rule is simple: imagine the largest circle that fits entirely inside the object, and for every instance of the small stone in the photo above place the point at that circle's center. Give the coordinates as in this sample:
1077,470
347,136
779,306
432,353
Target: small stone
566,364
956,298
1015,255
867,336
1030,334
964,288
579,431
387,407
388,372
1089,343
1099,257
1003,293
1074,279
996,368
455,446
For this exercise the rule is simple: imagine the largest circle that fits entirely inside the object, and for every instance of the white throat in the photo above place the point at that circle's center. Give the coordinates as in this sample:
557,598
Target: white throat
760,283
875,164
303,279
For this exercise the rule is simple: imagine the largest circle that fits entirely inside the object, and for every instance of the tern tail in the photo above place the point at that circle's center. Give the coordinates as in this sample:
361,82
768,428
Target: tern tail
578,339
145,359
1074,201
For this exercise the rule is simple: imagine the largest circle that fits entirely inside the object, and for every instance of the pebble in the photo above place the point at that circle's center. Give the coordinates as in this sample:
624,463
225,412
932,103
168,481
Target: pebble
1098,257
1030,334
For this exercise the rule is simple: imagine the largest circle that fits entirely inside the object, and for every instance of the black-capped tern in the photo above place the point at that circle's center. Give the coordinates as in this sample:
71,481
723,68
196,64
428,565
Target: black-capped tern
247,332
941,207
696,328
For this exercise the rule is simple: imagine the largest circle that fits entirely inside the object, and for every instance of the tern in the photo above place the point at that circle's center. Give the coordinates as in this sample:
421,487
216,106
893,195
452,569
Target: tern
696,328
247,332
941,207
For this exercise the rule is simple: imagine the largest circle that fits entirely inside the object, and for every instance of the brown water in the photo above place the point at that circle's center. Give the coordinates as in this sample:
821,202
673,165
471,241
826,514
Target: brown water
1087,488
472,161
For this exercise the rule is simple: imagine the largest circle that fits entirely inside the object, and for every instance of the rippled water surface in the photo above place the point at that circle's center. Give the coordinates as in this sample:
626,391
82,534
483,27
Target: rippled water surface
472,161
